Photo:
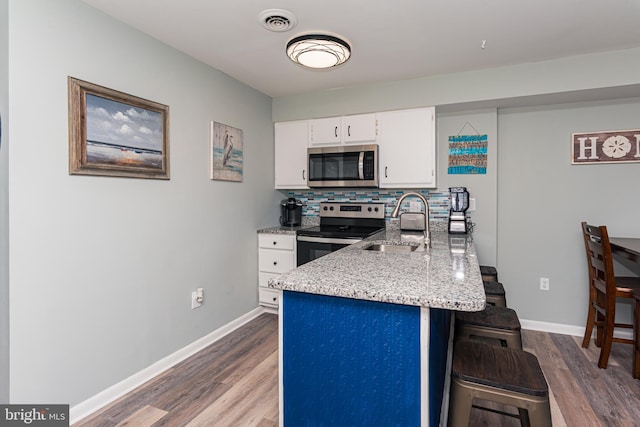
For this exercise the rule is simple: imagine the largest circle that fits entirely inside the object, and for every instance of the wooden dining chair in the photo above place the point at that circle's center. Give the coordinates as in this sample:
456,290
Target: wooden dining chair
604,289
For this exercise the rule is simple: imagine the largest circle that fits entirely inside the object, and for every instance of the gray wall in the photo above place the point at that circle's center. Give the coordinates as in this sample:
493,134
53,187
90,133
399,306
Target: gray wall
4,204
543,198
102,268
537,83
481,187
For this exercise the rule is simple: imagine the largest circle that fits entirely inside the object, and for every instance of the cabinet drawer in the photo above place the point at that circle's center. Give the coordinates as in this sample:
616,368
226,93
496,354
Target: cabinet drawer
269,297
274,261
276,241
263,278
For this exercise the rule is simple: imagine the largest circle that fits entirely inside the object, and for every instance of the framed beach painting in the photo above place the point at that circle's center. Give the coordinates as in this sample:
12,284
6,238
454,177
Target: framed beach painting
226,152
112,133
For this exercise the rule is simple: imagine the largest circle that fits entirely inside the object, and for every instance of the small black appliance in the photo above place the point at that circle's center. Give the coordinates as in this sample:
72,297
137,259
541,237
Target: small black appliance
459,204
290,212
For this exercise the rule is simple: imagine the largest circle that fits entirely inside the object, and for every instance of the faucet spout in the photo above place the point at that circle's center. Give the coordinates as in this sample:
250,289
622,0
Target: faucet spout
396,211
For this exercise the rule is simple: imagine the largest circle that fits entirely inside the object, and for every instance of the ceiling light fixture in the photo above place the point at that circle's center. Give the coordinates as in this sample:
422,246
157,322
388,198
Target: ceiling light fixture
318,51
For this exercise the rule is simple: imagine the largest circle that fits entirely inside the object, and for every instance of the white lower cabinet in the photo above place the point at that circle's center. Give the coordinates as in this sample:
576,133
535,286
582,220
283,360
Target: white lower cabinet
276,255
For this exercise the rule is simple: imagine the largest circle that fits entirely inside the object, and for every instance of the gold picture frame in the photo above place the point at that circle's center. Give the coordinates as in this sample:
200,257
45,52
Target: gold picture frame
112,133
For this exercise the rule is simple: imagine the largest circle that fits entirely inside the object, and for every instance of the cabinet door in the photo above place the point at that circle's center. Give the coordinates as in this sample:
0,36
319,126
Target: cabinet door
359,128
325,131
407,148
291,141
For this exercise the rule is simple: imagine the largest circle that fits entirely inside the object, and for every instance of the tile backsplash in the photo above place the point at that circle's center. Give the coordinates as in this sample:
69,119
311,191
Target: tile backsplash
438,200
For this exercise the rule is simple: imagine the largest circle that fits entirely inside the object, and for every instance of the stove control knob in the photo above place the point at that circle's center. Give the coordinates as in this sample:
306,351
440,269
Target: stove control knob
331,208
324,208
376,209
369,209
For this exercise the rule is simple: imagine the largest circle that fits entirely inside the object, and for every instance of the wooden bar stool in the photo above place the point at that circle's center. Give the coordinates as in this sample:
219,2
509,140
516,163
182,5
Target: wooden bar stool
489,273
495,295
499,324
503,375
636,345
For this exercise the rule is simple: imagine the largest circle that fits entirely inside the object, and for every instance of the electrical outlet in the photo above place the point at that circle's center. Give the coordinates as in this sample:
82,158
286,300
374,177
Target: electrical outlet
415,206
544,283
195,303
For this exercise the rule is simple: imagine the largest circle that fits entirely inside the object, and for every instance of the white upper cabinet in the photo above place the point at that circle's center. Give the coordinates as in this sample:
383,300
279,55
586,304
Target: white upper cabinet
291,141
358,128
407,141
325,131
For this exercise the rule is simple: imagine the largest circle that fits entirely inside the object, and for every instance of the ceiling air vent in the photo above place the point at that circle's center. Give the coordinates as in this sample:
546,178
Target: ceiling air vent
277,20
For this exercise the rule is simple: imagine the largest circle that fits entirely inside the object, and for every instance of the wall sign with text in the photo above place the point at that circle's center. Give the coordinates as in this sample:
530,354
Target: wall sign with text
622,146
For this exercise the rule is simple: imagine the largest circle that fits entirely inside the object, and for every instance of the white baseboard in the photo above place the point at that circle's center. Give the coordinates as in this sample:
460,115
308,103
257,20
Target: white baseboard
100,400
559,328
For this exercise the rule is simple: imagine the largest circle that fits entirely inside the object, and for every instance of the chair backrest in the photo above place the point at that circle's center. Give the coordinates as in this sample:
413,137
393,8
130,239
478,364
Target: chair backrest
600,260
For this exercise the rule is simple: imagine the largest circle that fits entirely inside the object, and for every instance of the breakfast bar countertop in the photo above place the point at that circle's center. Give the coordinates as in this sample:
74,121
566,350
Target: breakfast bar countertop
446,275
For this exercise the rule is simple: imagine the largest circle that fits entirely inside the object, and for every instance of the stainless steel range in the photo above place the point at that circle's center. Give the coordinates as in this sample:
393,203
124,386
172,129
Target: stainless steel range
341,224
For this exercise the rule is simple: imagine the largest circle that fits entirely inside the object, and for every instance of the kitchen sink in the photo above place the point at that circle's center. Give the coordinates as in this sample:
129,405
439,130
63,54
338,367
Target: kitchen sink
390,248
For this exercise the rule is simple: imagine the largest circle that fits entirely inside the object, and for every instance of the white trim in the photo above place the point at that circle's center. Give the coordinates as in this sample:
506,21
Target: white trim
425,338
559,328
94,403
444,410
281,362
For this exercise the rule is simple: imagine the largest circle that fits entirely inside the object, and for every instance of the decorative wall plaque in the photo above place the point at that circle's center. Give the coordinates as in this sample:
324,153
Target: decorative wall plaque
622,146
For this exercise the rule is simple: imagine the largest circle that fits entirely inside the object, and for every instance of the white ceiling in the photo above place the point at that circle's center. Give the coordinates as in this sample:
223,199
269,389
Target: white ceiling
390,39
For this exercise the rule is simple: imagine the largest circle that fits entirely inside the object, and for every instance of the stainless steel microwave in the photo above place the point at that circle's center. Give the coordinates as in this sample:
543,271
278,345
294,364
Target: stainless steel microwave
343,166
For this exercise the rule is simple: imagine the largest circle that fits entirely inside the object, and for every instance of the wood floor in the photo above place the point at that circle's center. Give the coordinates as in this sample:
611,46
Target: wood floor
234,382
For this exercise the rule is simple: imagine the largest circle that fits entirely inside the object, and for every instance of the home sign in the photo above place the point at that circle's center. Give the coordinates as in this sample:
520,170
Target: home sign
622,146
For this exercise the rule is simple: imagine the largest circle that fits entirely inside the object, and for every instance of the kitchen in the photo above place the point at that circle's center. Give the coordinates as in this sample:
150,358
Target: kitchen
100,329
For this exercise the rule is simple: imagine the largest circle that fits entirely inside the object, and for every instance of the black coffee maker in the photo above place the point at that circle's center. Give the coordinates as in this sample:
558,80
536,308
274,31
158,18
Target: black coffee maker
290,212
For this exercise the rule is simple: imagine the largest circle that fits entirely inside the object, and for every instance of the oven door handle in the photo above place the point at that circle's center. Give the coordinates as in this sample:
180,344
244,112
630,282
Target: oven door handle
361,166
339,241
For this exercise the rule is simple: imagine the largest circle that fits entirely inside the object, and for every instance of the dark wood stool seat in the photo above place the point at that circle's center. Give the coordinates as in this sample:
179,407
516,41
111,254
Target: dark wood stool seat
636,345
489,273
503,375
494,323
495,295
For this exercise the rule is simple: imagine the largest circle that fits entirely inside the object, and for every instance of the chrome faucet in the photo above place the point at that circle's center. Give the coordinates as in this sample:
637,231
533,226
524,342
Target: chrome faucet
396,211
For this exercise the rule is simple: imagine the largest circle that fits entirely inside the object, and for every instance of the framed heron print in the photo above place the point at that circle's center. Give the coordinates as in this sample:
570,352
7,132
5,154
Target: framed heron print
226,152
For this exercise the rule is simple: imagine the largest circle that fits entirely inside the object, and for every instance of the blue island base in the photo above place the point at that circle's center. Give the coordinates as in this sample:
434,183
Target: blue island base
348,362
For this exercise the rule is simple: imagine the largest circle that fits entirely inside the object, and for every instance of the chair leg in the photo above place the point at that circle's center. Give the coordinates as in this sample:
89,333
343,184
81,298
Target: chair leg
600,319
605,350
460,402
540,415
524,417
636,341
588,330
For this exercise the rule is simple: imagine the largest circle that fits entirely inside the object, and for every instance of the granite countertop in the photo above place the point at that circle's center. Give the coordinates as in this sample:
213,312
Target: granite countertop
281,229
446,275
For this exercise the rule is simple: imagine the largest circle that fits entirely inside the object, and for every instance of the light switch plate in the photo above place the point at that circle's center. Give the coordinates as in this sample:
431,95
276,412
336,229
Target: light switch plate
194,300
